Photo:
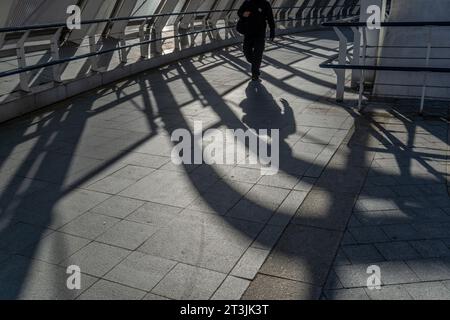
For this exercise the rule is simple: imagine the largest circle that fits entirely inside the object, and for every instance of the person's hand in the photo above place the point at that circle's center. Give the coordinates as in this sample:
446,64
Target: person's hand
246,14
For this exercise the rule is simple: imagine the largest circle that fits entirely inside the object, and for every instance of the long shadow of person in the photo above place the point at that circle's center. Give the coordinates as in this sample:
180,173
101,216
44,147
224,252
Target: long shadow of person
262,111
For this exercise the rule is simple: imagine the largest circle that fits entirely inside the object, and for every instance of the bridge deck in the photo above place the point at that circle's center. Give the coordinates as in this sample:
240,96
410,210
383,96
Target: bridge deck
90,182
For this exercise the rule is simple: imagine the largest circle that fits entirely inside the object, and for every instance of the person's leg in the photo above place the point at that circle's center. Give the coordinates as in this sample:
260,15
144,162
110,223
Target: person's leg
248,49
258,50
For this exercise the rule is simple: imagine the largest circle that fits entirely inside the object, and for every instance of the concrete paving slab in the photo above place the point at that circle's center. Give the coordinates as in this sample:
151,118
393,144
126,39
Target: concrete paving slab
197,241
155,214
127,234
362,253
166,187
430,269
117,206
140,271
44,281
231,289
89,225
347,294
428,291
324,209
106,290
399,250
96,258
266,287
389,293
309,262
247,267
186,282
55,247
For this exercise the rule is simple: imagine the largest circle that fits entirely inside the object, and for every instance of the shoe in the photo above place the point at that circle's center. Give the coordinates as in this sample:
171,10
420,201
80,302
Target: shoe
255,78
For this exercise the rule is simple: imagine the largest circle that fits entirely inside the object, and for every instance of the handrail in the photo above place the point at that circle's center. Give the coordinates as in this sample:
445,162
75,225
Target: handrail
158,15
390,24
118,48
327,65
84,22
122,47
147,36
342,66
92,54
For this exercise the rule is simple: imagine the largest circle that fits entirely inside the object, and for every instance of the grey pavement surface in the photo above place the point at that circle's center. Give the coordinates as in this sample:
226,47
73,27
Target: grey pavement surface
382,201
400,220
89,182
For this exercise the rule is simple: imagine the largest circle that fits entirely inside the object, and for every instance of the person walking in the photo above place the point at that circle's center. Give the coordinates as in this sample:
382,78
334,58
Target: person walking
256,14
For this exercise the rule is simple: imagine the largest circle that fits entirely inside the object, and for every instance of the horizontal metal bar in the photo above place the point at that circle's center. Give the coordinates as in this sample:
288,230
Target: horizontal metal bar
383,68
390,24
85,22
299,19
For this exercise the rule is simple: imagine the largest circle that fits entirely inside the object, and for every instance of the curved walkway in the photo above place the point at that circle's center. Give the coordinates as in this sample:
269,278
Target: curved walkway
89,182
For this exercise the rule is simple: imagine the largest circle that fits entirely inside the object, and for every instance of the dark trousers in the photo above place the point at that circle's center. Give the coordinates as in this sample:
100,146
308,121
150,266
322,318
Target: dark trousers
253,51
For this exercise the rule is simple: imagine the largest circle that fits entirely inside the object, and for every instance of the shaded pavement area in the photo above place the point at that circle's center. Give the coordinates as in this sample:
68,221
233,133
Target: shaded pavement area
89,182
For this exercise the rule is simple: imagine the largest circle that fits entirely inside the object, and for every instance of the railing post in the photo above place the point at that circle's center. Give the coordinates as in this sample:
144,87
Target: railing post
427,64
349,11
341,13
143,36
54,48
362,76
93,49
336,13
340,88
21,60
2,39
311,16
215,35
176,34
156,46
356,55
193,35
205,27
290,22
227,24
319,16
123,51
180,41
304,14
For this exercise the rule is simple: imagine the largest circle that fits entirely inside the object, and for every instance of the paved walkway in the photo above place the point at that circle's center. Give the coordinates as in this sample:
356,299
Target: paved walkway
89,182
386,186
401,220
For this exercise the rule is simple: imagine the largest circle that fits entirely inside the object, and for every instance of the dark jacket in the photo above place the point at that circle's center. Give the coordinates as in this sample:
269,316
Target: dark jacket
261,15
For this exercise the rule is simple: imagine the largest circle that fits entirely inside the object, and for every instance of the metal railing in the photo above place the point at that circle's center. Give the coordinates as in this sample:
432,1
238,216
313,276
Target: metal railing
358,62
150,37
153,16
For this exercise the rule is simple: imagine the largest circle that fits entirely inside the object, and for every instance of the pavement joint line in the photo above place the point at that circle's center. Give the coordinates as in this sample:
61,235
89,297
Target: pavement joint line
285,278
386,285
173,267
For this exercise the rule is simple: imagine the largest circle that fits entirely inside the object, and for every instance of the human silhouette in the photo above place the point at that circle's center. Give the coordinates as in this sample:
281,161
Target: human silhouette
256,14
